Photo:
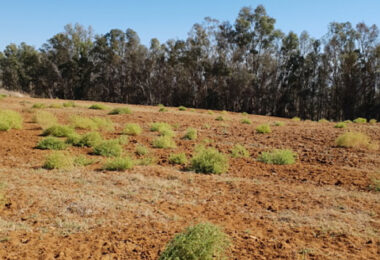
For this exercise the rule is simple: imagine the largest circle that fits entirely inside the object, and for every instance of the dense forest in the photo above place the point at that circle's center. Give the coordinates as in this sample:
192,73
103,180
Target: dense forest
248,65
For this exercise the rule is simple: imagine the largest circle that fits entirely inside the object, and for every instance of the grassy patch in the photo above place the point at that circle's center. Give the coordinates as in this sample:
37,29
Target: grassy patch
296,119
209,160
58,160
219,118
10,119
191,134
44,119
340,125
278,157
92,123
56,105
110,148
119,164
239,151
375,186
98,107
278,123
360,120
203,241
163,128
373,121
132,129
355,140
51,143
322,120
246,121
164,142
263,129
179,158
141,150
120,111
69,104
146,161
58,131
182,108
163,109
39,105
90,139
83,160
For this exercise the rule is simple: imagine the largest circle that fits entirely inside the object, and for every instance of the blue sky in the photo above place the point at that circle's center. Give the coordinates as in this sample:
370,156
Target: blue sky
36,21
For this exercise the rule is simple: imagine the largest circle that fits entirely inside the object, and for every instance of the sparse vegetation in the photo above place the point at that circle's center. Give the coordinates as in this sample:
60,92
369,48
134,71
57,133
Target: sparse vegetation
83,160
191,134
203,241
163,128
39,106
109,148
373,121
10,119
98,107
141,150
245,121
263,129
182,108
58,160
239,151
278,157
90,139
279,123
58,131
375,185
322,120
146,161
340,125
360,120
91,123
51,143
296,119
44,119
69,104
219,118
119,164
120,111
164,142
56,105
355,140
163,109
209,160
179,158
132,129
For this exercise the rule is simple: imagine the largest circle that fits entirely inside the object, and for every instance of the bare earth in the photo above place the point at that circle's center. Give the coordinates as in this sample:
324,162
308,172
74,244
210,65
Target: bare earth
319,208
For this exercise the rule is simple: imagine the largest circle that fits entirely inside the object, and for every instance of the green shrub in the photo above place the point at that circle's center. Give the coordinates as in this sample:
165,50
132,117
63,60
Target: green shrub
163,109
120,110
132,129
110,148
91,123
182,108
210,112
51,143
203,241
74,139
219,118
58,160
296,119
39,105
146,161
156,127
141,150
164,142
122,140
119,164
56,105
103,123
191,134
90,139
244,113
69,104
355,140
179,158
360,120
10,119
279,123
239,151
44,119
83,160
224,112
59,131
322,120
245,121
372,121
278,157
98,107
347,121
263,129
340,125
209,160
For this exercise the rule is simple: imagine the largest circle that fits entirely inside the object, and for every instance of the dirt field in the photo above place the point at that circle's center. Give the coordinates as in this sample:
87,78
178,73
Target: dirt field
322,207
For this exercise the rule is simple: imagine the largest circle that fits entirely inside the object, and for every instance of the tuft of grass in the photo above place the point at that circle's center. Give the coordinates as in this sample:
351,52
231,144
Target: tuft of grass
91,123
56,105
103,123
244,113
122,140
239,151
210,112
179,158
296,119
163,109
278,157
340,125
372,121
98,107
10,119
74,139
83,160
245,121
182,108
141,150
278,123
347,121
44,119
146,161
203,241
164,142
69,104
219,118
58,131
39,105
58,160
119,164
375,186
132,129
355,140
209,160
51,143
224,112
109,148
191,134
322,120
90,139
156,127
120,111
360,120
263,129
2,96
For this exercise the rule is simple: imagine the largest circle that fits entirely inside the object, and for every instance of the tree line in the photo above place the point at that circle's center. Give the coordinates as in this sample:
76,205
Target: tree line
248,65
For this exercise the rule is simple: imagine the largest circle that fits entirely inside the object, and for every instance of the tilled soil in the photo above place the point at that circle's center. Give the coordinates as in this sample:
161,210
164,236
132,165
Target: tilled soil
322,207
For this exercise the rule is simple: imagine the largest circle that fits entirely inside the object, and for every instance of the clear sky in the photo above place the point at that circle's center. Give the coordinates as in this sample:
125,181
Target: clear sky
35,21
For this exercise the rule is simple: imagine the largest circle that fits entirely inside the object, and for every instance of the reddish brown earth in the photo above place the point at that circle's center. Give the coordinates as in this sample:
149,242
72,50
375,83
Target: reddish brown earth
322,207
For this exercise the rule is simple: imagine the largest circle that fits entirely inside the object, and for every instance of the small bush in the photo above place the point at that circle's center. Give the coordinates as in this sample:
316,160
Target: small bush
74,139
179,158
51,143
164,142
244,113
239,151
182,108
209,160
69,104
340,125
91,123
224,112
132,129
279,123
56,105
141,150
355,140
347,121
278,157
322,120
98,107
360,120
156,127
90,139
119,164
146,161
203,241
296,119
10,119
39,105
163,109
120,111
83,160
103,123
263,129
122,140
44,119
245,121
59,131
372,121
210,112
110,148
58,160
191,134
219,118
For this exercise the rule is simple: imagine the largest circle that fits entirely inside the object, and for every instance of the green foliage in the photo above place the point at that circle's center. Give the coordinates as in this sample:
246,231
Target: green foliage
340,125
56,105
103,123
132,129
278,157
58,160
39,105
203,241
210,112
296,119
146,161
244,113
58,131
69,104
51,143
10,119
156,127
372,121
239,151
322,120
2,96
191,134
179,158
347,121
98,107
83,160
120,111
109,148
141,150
163,109
91,123
182,108
355,140
119,164
44,119
360,120
245,121
219,118
263,129
90,139
164,142
279,123
209,160
122,140
74,139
